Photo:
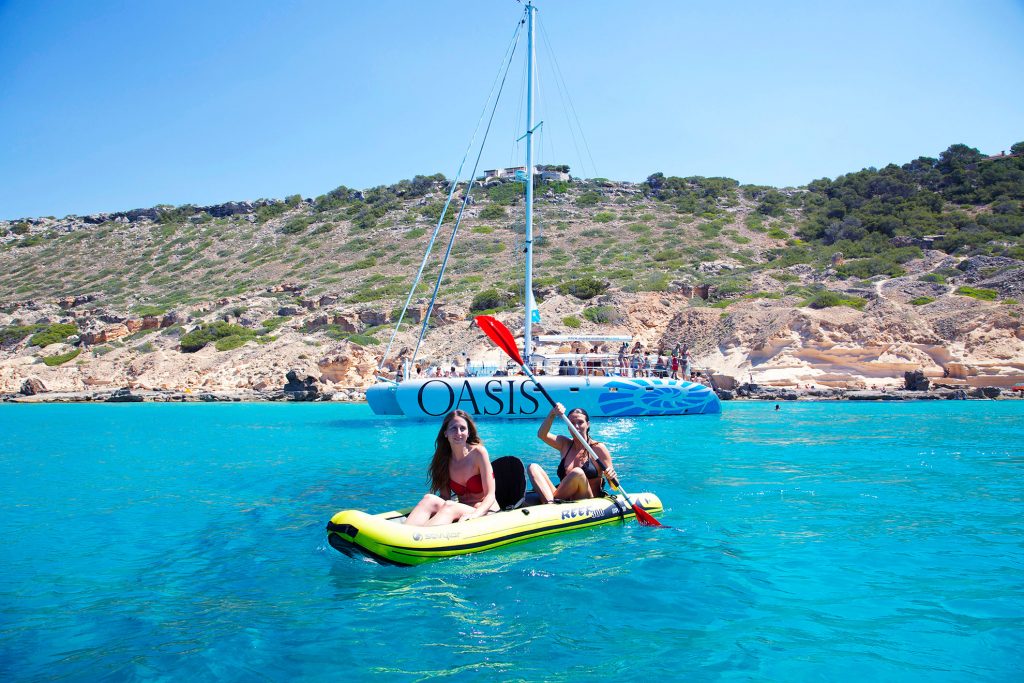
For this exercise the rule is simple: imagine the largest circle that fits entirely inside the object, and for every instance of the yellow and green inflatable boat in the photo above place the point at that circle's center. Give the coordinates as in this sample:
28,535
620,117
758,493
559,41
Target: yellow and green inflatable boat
384,538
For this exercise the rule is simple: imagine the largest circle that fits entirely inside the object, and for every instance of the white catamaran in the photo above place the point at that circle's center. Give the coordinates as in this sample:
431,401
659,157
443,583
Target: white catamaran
603,389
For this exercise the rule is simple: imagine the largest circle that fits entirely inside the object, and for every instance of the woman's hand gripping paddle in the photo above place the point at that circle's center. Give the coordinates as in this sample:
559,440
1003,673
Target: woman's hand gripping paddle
501,336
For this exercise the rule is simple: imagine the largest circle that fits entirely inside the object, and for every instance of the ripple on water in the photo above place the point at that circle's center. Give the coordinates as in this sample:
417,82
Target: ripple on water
807,543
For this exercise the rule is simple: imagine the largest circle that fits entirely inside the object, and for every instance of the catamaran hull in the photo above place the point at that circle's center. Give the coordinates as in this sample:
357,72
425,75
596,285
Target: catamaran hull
385,539
518,397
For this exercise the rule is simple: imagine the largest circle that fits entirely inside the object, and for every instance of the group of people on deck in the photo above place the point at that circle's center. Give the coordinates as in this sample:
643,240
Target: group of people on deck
638,363
461,467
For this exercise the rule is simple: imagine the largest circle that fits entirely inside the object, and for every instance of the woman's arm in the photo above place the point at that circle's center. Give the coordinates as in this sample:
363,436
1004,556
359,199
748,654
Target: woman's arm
484,505
544,433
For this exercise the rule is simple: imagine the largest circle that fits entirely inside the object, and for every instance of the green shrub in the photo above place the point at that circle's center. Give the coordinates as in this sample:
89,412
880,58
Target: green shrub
146,310
827,299
9,336
506,194
666,255
778,234
933,277
921,301
363,340
53,361
974,292
493,212
233,342
589,199
652,282
265,213
211,332
604,217
146,347
491,299
868,267
572,322
30,241
53,334
754,222
296,225
335,332
361,264
271,324
602,314
140,334
583,288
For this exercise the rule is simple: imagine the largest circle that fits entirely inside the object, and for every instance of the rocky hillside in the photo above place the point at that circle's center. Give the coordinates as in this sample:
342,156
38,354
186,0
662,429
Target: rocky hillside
844,283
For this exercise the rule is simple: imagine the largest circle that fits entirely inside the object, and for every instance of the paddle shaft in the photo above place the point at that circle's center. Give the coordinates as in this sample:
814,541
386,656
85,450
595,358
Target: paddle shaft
579,437
500,335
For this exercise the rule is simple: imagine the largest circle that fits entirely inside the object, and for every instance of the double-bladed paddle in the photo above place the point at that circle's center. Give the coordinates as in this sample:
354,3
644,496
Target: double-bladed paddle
501,336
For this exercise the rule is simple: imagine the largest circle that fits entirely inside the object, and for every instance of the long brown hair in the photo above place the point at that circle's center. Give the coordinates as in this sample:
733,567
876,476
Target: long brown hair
437,472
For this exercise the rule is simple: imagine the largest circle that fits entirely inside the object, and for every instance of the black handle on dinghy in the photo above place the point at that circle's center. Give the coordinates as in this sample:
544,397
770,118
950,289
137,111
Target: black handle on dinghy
501,336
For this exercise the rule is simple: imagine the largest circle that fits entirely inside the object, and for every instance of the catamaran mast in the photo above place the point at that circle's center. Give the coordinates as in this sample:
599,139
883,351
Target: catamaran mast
528,293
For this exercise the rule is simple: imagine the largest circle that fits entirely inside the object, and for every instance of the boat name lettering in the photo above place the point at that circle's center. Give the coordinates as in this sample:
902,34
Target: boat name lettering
582,512
499,398
437,535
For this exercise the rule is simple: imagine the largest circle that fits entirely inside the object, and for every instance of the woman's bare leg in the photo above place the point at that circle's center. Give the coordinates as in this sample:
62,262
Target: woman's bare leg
541,483
574,487
424,509
451,512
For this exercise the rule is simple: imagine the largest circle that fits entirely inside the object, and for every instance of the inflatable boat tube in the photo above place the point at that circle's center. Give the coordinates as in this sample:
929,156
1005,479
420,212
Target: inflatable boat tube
385,539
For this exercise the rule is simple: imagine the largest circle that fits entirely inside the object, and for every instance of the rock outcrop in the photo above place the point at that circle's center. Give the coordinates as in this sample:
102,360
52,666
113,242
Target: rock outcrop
301,388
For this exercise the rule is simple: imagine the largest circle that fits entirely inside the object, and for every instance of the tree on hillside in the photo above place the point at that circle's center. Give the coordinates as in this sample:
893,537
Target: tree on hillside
958,157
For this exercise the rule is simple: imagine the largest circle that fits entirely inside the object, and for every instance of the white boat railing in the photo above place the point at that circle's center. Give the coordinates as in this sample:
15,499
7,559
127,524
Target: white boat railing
567,365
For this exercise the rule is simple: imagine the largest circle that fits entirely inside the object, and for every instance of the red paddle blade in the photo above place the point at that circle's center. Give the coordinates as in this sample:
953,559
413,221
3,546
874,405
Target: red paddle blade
500,335
644,517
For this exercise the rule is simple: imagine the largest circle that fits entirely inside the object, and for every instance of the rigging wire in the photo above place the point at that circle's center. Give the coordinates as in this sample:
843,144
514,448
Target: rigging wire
562,87
509,53
514,150
462,209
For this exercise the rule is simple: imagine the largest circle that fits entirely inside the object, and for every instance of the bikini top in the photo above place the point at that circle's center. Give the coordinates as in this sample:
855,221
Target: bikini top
474,484
588,468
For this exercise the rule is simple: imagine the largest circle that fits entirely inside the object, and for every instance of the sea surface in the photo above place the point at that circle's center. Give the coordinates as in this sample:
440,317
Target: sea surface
822,541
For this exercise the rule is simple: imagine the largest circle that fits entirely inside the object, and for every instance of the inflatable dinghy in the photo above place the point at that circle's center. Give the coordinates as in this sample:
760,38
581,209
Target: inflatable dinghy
384,538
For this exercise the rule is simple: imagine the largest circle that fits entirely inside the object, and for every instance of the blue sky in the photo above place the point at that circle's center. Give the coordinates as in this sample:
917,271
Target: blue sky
108,105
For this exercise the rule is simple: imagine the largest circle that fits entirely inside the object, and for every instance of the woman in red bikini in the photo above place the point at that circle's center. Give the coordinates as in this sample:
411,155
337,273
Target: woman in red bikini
578,476
461,466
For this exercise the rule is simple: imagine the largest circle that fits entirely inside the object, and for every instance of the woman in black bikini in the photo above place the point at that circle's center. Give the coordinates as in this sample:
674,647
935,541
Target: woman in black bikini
578,475
461,466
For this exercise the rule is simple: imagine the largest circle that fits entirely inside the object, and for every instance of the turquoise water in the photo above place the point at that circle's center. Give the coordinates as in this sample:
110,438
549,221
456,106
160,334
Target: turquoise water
823,541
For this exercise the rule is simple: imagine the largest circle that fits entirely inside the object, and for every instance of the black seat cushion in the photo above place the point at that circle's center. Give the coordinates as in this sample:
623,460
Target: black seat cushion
509,481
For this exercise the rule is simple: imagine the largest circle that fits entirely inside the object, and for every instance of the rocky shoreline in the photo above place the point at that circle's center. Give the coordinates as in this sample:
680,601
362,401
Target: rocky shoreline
744,393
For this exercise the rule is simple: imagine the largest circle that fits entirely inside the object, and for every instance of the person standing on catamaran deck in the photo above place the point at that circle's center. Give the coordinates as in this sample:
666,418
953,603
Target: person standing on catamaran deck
579,477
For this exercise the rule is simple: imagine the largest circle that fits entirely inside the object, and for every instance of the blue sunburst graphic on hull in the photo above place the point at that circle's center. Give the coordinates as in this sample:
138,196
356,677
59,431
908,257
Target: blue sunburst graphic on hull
656,397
